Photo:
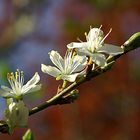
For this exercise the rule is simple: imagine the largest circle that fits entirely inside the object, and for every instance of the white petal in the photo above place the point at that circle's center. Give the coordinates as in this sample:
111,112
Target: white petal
81,59
5,88
70,78
16,115
31,83
53,71
99,59
30,89
22,117
84,52
57,59
77,45
6,94
79,63
111,49
34,80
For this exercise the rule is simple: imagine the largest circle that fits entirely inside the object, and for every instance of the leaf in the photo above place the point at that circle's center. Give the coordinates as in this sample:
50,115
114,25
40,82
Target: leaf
28,135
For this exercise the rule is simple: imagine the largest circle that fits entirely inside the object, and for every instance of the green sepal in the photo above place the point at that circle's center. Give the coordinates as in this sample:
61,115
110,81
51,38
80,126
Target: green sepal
28,135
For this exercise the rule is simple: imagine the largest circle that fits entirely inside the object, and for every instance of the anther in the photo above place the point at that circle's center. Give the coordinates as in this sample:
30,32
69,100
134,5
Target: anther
86,34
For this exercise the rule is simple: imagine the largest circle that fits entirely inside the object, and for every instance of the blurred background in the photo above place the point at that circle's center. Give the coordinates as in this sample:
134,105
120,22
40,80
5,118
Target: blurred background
109,105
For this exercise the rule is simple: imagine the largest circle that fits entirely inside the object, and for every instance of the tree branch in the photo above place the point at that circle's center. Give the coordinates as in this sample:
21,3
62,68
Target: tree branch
132,43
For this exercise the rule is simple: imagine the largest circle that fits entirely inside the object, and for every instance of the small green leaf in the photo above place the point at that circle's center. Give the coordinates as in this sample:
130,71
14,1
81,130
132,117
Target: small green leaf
28,135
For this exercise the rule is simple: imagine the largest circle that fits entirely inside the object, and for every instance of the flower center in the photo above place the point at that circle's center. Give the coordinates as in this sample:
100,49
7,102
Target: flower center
16,81
68,62
96,39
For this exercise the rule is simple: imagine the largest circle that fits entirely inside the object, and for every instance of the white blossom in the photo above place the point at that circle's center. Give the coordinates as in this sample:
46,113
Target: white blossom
16,115
67,68
18,89
95,46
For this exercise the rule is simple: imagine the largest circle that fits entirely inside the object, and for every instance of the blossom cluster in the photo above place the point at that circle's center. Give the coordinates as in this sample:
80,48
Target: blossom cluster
66,68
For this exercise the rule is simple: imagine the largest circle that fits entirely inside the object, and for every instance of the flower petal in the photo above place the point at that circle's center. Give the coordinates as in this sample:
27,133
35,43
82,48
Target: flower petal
84,52
31,83
34,80
22,117
79,63
70,78
57,59
16,115
53,71
5,88
99,59
110,49
77,45
30,89
6,94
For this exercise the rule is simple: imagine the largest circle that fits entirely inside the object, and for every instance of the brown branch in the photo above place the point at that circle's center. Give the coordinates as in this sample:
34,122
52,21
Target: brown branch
132,43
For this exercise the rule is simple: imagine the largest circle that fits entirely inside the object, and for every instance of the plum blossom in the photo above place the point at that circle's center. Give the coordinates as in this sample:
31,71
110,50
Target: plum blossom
18,89
95,46
67,68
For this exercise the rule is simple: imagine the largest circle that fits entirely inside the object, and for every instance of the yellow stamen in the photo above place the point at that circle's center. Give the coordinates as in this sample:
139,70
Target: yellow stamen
86,34
11,76
16,75
8,75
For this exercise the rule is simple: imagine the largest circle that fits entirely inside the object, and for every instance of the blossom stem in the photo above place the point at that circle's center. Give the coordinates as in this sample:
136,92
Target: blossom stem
64,84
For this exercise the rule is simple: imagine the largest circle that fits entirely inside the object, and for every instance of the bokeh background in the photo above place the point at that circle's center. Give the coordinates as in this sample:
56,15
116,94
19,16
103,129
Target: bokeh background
109,105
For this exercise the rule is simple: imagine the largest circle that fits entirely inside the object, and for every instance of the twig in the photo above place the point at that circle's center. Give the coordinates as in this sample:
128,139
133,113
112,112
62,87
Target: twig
132,43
